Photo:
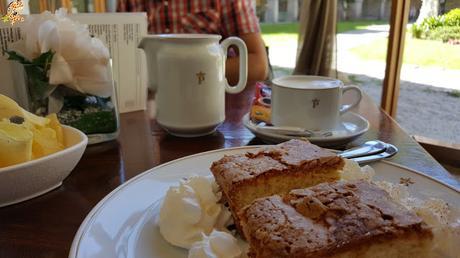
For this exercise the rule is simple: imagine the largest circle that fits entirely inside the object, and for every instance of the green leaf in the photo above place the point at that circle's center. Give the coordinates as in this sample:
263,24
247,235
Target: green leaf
44,60
13,55
37,73
37,81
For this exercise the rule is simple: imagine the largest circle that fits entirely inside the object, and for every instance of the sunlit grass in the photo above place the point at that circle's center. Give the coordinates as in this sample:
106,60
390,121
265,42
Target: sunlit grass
282,33
416,51
293,28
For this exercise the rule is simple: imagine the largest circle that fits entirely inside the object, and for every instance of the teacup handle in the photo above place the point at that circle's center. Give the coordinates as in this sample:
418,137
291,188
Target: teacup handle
243,55
345,108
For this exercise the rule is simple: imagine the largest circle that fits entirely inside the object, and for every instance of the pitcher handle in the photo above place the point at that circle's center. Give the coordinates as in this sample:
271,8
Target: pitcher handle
243,55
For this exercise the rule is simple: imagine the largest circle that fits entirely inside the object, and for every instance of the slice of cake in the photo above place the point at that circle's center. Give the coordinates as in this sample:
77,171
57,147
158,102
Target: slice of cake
341,219
274,170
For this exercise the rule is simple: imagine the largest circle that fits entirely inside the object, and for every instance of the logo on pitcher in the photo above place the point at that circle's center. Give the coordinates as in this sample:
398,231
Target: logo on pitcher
200,77
12,12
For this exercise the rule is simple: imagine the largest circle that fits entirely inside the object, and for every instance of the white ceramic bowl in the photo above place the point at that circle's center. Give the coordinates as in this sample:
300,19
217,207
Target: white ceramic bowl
30,179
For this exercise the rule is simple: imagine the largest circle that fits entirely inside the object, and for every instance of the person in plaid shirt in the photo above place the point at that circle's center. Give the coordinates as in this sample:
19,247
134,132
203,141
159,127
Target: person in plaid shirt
223,17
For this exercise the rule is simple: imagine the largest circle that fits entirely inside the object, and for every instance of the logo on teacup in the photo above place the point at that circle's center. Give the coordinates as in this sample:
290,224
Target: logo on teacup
200,77
12,12
315,102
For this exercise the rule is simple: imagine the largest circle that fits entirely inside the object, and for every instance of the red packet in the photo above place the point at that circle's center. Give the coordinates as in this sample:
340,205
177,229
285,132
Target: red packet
261,104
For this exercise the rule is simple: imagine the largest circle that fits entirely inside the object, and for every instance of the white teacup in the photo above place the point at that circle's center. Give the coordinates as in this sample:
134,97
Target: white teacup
310,102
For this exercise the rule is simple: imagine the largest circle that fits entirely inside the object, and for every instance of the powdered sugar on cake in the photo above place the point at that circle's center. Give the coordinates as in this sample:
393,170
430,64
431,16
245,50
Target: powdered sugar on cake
443,219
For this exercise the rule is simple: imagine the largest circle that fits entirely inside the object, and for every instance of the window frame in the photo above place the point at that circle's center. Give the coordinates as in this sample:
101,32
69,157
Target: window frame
395,53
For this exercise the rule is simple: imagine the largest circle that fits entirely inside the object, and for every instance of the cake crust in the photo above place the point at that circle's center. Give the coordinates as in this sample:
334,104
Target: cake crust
326,220
287,156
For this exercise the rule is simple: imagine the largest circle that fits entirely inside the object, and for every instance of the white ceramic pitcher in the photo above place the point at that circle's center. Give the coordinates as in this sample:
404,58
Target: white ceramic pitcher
187,71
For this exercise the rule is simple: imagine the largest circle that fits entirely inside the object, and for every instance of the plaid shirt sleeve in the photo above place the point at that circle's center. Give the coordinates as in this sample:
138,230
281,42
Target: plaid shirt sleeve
238,18
225,17
131,6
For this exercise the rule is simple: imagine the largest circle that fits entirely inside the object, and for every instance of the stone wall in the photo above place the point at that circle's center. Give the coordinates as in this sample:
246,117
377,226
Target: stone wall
284,10
364,9
377,9
451,4
273,11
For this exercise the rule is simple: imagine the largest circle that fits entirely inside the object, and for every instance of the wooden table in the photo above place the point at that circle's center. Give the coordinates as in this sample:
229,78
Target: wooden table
45,226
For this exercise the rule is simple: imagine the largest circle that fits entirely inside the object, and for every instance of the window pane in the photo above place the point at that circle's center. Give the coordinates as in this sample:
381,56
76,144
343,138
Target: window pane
280,30
429,102
362,39
362,31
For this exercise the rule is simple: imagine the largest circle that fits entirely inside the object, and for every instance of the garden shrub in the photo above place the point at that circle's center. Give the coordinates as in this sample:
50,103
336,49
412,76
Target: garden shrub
433,22
443,27
445,33
452,18
428,24
416,31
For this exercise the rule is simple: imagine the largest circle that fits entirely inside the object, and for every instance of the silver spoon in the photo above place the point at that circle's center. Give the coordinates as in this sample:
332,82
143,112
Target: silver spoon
290,131
390,151
366,149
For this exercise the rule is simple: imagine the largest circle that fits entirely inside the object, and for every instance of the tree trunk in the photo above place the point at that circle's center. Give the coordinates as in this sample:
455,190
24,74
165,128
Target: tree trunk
429,8
383,4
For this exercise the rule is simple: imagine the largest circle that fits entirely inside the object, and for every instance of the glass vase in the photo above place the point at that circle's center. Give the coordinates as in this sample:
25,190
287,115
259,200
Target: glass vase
96,116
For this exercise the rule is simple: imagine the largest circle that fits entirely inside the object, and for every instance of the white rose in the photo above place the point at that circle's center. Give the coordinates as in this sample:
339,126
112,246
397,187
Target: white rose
30,27
80,61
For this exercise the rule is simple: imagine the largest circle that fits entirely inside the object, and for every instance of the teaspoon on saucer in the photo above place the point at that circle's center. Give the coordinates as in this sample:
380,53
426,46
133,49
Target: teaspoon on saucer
370,151
291,131
366,149
390,151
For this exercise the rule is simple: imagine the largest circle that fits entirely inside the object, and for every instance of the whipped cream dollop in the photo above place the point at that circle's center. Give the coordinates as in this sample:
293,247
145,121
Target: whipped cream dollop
217,245
191,210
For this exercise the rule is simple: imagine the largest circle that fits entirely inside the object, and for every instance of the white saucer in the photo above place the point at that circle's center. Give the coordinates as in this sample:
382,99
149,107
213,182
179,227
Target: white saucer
351,127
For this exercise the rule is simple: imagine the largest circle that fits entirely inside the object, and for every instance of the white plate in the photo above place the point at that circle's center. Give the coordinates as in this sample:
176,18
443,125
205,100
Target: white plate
351,127
122,224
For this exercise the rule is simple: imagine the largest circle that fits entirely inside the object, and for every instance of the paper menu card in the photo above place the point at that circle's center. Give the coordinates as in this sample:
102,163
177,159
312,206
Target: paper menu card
8,35
120,32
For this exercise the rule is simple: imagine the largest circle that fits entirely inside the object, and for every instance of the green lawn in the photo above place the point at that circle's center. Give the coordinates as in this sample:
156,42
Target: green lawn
416,51
279,28
280,33
293,28
419,52
277,34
